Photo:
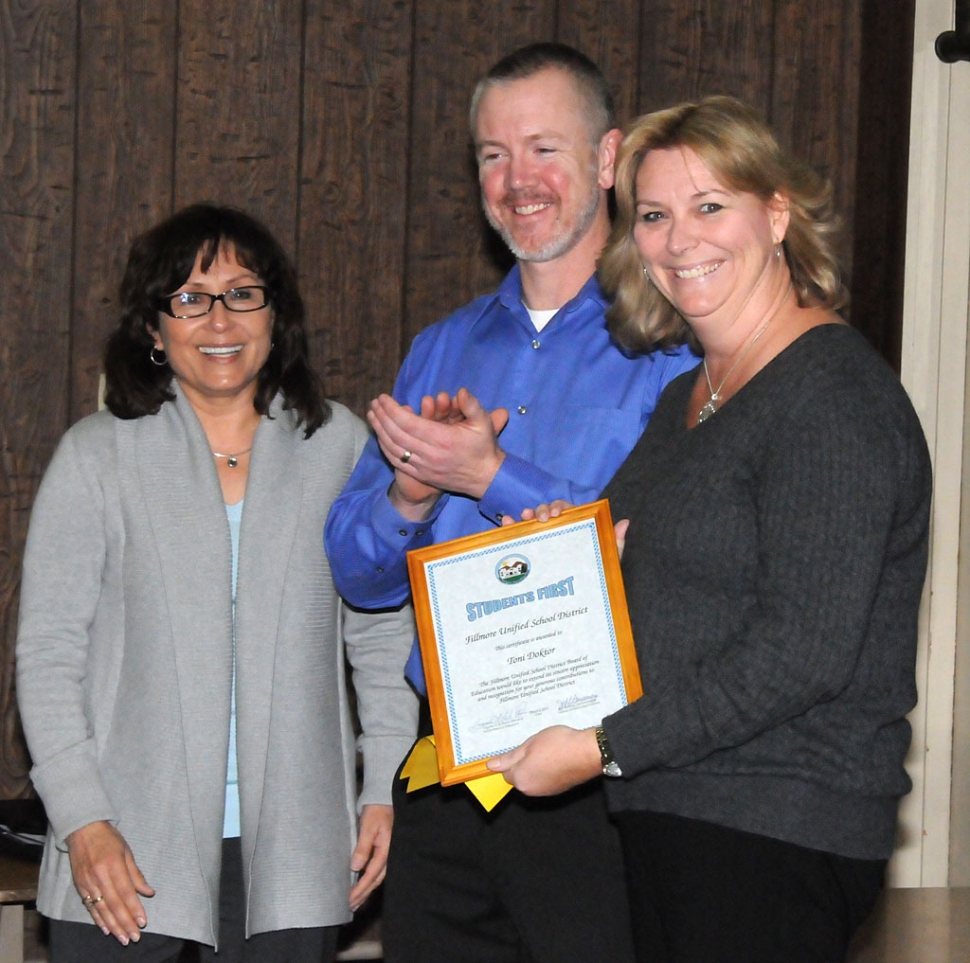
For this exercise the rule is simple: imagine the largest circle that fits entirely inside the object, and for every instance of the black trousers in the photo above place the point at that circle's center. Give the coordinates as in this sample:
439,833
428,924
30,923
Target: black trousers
702,893
534,881
85,943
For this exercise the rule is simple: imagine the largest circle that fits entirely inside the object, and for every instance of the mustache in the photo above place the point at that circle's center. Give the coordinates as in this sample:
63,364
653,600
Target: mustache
523,198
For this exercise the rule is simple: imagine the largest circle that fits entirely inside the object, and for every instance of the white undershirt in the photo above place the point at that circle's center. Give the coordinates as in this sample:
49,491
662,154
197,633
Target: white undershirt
541,318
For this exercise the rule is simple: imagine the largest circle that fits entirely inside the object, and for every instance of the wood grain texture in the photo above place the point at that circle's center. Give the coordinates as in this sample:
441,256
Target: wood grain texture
878,229
816,93
353,191
343,124
452,254
238,108
36,216
126,107
691,50
607,31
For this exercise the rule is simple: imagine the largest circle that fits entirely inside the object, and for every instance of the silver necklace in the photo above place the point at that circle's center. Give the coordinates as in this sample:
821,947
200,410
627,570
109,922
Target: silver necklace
234,458
710,406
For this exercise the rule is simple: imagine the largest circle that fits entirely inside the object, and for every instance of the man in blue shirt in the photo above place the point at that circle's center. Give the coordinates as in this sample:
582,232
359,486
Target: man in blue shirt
518,398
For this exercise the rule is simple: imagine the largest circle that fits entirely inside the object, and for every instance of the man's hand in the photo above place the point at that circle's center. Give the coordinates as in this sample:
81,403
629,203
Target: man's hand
551,761
450,445
370,857
108,880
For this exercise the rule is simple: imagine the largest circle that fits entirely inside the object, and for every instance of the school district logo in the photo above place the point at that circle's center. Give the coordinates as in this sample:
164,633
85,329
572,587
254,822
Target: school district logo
512,569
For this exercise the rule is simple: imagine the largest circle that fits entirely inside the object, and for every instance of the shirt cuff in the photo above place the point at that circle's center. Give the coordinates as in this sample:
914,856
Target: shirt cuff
518,484
395,530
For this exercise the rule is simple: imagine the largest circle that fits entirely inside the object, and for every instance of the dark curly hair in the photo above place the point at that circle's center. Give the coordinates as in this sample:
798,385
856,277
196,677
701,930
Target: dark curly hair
159,262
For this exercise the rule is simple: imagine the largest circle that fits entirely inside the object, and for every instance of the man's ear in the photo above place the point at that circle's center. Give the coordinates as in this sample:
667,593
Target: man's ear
606,157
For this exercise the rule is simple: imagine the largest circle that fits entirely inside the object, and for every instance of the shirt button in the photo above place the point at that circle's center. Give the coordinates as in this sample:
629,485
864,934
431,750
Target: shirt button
522,409
420,531
402,531
380,571
535,344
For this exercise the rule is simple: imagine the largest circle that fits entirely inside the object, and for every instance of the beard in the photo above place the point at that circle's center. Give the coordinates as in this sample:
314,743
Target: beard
564,237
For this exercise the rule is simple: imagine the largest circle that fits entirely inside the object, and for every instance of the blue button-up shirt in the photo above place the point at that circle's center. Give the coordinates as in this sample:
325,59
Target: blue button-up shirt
577,405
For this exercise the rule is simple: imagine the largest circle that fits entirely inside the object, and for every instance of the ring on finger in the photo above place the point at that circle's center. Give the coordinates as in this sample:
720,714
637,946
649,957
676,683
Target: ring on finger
406,457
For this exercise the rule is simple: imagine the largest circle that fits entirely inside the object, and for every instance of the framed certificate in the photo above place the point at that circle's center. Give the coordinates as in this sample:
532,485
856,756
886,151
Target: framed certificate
521,628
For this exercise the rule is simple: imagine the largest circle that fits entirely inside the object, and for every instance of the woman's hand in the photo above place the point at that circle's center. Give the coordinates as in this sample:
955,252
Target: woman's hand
619,530
108,880
370,856
554,509
551,761
540,513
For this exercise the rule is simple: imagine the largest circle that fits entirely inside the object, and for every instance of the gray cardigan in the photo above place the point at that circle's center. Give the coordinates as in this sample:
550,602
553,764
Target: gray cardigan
124,667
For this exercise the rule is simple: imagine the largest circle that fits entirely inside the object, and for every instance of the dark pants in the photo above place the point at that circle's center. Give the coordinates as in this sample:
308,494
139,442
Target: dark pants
701,893
85,943
534,881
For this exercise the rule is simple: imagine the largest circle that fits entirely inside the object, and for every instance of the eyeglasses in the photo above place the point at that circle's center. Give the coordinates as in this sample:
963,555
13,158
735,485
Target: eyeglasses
194,304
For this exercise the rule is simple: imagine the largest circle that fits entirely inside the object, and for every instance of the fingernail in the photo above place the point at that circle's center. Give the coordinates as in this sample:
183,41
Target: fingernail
135,937
141,921
123,940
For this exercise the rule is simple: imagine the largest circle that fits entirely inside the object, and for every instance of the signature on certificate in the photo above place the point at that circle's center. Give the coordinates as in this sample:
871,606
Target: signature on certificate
577,702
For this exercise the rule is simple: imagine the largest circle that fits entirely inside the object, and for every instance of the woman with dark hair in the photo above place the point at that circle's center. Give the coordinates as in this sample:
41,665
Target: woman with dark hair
778,507
180,654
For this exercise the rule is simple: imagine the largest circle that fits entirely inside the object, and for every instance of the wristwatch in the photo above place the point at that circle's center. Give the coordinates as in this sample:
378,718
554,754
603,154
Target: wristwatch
610,766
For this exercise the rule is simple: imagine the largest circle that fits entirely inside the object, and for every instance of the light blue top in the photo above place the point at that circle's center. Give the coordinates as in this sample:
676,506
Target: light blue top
577,405
231,825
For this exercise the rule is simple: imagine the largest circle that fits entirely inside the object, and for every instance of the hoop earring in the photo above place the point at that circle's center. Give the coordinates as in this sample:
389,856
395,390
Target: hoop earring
154,360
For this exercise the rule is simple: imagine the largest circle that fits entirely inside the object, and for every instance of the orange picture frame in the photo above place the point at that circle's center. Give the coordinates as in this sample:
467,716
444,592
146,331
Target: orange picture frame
522,627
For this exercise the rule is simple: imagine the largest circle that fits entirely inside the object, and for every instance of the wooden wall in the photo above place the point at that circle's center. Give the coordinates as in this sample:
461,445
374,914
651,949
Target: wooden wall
342,123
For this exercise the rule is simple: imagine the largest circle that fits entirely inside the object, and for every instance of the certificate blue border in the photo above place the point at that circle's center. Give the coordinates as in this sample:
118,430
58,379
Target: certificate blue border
431,569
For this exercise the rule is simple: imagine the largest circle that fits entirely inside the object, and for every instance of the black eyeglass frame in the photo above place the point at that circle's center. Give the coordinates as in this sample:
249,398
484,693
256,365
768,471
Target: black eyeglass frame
165,304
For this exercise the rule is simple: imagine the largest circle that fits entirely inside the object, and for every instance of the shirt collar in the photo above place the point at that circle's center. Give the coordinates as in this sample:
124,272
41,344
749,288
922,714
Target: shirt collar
510,293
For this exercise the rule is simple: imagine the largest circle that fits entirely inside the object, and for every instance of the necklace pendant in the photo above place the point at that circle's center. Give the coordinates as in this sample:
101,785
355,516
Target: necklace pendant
707,409
232,461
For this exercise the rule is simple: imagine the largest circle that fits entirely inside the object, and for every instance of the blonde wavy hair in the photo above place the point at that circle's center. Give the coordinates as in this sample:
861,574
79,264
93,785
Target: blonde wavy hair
740,150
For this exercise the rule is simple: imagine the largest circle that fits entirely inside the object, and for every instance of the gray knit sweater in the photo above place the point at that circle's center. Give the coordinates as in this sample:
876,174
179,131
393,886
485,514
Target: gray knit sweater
774,567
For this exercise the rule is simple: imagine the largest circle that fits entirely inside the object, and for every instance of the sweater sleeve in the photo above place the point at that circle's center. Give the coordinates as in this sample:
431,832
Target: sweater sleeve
64,563
378,644
840,496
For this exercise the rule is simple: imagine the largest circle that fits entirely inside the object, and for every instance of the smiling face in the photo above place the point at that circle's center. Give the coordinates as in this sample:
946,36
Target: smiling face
541,174
218,355
708,249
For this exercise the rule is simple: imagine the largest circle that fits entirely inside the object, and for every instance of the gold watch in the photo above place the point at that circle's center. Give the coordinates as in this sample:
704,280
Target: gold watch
610,766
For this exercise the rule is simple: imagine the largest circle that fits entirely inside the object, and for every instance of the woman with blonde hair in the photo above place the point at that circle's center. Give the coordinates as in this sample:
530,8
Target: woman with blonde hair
778,508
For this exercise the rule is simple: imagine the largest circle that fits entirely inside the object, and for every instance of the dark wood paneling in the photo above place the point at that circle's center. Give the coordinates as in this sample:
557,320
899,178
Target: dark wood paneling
816,92
343,124
607,31
36,216
882,172
353,191
690,50
237,122
452,254
126,102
